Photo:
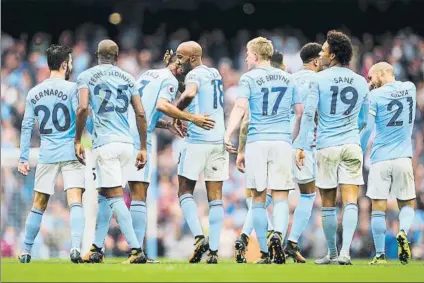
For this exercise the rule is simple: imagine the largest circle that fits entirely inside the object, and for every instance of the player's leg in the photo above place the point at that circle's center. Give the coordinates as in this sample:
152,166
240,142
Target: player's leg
305,179
328,160
215,173
45,179
403,189
350,178
73,174
240,245
280,184
191,162
379,183
256,180
116,159
216,218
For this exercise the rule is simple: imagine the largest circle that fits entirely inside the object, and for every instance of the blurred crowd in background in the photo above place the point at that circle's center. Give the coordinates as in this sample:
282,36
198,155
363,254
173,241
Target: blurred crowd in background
24,65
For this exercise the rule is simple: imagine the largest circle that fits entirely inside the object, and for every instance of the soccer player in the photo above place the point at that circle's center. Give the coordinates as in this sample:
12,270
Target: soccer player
392,111
204,150
242,241
277,60
266,95
305,178
53,104
340,95
157,89
109,90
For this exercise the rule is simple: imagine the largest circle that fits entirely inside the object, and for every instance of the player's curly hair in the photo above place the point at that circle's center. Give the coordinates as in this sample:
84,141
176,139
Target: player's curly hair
262,46
310,51
169,57
340,44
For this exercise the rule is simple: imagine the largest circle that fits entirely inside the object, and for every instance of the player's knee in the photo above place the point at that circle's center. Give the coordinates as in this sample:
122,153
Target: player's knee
111,192
258,196
40,201
379,205
307,188
74,195
402,203
138,190
280,195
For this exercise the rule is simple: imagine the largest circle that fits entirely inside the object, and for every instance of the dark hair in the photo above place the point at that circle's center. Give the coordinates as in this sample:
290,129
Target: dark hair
310,51
56,55
277,59
340,44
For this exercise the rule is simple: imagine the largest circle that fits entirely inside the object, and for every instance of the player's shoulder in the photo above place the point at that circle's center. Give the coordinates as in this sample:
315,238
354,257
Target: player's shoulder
87,73
125,73
408,85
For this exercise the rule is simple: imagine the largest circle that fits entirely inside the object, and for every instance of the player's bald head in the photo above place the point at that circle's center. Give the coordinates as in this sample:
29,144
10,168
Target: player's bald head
381,67
380,74
190,48
107,49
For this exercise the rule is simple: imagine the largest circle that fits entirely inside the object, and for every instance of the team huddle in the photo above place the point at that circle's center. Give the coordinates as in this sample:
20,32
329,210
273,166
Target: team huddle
310,128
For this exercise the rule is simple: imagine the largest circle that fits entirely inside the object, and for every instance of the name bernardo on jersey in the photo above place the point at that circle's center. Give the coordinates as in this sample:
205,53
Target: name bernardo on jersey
49,92
114,73
272,77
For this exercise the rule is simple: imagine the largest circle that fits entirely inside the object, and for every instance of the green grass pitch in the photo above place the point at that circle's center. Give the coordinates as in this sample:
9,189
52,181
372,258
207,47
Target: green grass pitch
225,271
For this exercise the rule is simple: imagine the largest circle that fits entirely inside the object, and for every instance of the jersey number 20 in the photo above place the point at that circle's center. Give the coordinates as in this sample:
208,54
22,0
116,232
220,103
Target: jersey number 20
55,120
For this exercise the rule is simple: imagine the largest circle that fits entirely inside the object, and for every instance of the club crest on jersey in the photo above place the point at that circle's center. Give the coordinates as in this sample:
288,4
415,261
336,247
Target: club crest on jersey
171,89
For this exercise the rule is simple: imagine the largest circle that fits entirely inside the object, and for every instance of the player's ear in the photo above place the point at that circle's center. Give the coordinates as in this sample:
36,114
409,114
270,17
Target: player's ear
64,65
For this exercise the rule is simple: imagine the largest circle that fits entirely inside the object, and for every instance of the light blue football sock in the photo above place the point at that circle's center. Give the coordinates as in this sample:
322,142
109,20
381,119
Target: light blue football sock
378,227
329,224
301,216
216,219
406,217
350,221
189,208
139,219
260,224
104,215
77,221
32,227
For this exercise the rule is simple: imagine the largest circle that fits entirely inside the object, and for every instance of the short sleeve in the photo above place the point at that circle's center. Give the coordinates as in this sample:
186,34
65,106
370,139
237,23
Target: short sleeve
82,81
296,99
169,89
74,98
193,77
244,87
372,97
133,85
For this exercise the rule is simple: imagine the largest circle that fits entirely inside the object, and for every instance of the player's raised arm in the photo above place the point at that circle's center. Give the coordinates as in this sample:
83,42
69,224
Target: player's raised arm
26,130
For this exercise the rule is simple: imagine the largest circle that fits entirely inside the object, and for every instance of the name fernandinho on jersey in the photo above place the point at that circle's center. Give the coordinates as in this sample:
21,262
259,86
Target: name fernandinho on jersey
273,77
118,74
399,94
348,80
48,92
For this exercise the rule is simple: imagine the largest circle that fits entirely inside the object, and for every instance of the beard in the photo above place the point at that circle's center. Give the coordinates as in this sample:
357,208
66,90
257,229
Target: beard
186,67
68,74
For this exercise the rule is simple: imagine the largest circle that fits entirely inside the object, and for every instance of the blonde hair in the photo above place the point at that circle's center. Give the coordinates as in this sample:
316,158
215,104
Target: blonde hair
167,57
262,47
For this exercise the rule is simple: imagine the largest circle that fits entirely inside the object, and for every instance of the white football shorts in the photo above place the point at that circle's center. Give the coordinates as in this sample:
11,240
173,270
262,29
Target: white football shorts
269,165
391,178
73,173
339,165
113,162
307,173
210,159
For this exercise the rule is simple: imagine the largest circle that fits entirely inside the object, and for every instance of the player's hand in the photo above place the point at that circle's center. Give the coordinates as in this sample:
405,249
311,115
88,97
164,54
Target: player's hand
178,128
203,121
80,153
141,159
23,168
240,162
300,158
229,145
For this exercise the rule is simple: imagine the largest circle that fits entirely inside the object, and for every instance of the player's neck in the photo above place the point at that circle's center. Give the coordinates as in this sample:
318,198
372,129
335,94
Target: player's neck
56,75
308,67
335,64
389,81
263,64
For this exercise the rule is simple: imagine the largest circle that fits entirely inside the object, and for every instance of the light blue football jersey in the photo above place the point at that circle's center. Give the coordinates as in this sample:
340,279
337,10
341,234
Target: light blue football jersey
302,80
271,93
152,85
209,100
111,90
53,104
340,95
394,108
